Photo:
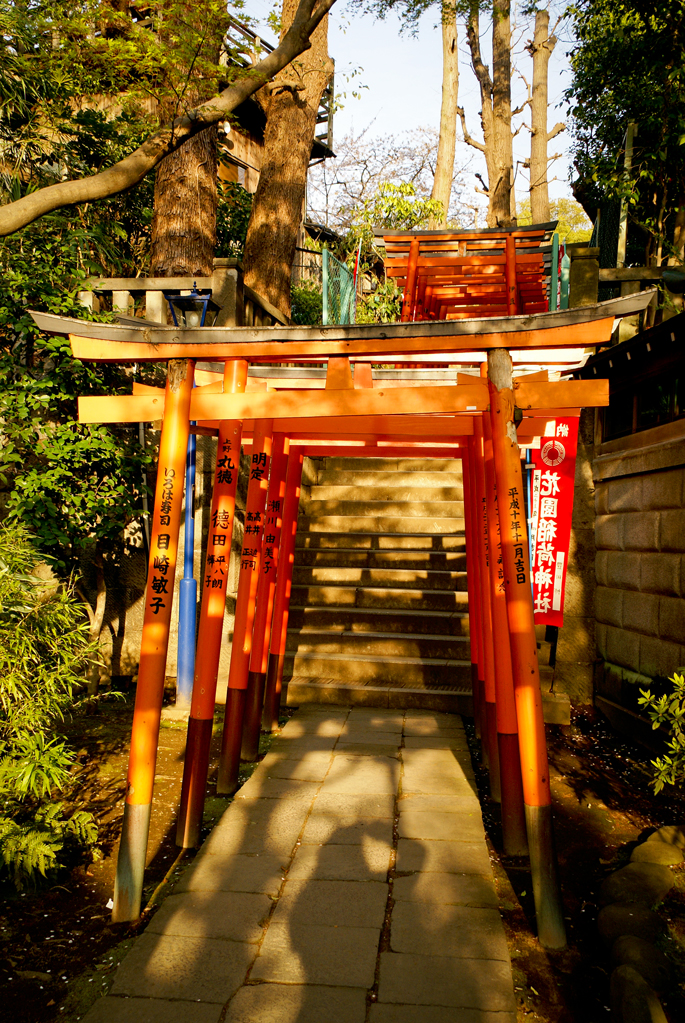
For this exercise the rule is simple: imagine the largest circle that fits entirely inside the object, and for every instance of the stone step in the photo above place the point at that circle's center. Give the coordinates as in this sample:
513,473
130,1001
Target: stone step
368,668
381,596
379,524
379,644
406,578
385,509
453,561
419,622
393,464
367,478
452,700
412,492
378,541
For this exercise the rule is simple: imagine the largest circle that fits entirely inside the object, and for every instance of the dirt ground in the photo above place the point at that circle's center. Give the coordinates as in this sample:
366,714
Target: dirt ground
58,949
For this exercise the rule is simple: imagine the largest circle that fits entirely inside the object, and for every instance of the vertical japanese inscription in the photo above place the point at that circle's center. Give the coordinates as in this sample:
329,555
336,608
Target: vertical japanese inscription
221,521
160,563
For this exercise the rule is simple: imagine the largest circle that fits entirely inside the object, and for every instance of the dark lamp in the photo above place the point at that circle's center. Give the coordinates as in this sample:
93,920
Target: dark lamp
194,310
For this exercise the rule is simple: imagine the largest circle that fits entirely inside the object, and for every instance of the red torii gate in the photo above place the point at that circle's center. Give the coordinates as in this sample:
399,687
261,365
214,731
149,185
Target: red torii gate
493,404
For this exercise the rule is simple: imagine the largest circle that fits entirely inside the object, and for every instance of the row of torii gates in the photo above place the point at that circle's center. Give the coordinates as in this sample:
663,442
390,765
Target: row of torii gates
475,420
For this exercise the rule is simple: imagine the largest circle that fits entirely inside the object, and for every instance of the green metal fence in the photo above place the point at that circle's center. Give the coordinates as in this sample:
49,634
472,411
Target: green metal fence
339,305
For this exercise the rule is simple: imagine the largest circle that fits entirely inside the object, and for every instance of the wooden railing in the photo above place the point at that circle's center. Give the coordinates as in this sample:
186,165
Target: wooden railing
240,306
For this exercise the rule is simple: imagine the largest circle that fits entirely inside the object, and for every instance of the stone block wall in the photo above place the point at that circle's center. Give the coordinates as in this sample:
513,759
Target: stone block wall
640,573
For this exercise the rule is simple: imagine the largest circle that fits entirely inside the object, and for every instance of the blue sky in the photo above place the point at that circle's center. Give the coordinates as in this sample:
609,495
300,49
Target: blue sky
402,78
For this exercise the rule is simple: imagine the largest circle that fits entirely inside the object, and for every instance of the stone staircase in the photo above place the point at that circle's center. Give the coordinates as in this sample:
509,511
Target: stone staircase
379,610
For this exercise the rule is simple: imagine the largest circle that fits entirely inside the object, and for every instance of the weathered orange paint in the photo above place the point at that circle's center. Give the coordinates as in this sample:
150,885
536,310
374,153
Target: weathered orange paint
524,657
160,586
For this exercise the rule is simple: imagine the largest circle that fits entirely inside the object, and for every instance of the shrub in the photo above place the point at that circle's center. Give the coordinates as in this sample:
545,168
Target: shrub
306,304
42,654
668,710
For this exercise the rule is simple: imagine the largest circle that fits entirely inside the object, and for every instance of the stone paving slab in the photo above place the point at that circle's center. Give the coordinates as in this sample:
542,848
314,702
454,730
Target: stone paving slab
283,917
446,889
450,740
333,903
443,857
369,735
346,830
366,805
307,767
447,981
451,827
365,749
173,966
343,862
435,1014
239,916
234,873
298,1003
153,1010
426,928
295,954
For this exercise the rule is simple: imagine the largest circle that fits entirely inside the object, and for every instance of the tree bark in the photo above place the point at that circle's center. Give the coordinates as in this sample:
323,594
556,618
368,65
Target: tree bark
132,169
541,50
292,103
487,146
444,165
503,157
184,223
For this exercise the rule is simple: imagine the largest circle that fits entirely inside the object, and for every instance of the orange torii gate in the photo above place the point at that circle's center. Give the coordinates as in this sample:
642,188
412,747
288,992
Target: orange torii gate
426,411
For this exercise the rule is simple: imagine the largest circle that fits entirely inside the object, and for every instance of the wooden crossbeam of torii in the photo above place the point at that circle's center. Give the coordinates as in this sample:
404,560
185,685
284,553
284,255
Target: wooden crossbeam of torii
585,326
397,403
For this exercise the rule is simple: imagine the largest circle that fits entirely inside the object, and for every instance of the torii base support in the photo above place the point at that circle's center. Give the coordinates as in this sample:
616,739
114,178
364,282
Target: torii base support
272,697
543,868
194,781
229,762
131,862
252,719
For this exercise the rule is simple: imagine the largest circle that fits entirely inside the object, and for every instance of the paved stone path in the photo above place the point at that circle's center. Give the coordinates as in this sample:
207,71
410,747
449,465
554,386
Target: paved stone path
348,882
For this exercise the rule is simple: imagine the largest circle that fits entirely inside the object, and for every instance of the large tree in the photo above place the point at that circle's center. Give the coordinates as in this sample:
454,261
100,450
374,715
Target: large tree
133,168
540,47
291,102
629,65
444,165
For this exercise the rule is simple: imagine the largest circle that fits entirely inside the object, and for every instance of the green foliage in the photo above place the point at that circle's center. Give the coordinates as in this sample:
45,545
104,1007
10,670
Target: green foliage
42,655
232,217
76,487
384,305
574,224
396,207
668,710
306,304
629,65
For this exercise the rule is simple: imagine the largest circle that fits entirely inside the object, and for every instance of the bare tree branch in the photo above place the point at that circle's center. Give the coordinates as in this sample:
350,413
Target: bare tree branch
133,168
467,137
556,130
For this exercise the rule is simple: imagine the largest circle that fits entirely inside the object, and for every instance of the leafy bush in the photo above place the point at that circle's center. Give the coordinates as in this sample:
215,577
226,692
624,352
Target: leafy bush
384,305
669,710
42,654
232,217
306,303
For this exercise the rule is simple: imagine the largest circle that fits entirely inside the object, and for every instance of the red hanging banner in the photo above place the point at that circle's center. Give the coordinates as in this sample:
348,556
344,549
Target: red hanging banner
551,510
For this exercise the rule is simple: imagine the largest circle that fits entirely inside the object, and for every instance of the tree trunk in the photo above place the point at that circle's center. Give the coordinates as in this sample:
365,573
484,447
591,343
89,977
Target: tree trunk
444,165
503,155
541,50
292,103
184,224
487,147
